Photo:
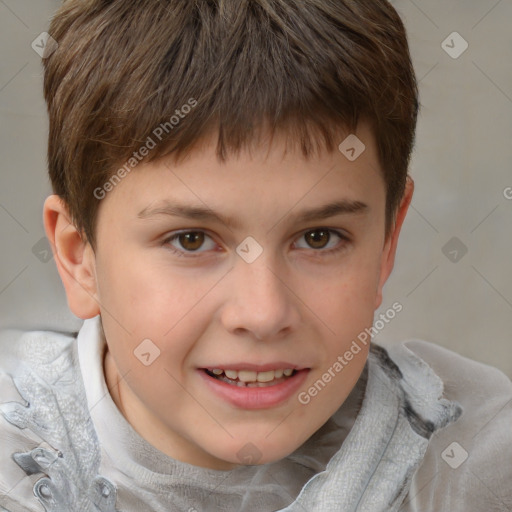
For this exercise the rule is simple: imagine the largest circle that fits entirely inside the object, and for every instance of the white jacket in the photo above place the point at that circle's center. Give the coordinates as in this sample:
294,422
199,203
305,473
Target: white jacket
423,430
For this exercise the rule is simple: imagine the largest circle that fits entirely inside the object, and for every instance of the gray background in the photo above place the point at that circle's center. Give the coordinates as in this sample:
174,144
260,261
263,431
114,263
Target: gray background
461,166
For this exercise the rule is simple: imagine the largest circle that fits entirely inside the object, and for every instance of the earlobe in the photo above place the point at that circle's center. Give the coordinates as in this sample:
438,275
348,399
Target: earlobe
389,251
74,258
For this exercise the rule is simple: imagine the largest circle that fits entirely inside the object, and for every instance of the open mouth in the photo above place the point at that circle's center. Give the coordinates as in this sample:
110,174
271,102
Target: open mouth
252,390
251,379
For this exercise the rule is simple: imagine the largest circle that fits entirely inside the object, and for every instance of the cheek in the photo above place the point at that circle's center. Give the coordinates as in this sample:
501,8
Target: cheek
347,298
140,292
142,301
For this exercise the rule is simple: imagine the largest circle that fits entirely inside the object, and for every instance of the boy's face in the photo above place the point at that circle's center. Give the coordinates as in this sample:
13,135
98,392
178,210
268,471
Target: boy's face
265,291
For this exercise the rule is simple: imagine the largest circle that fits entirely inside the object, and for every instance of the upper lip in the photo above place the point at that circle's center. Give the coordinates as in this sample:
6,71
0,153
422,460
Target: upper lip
255,367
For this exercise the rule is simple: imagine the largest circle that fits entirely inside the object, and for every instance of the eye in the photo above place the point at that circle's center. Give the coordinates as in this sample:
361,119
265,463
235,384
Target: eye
190,242
322,240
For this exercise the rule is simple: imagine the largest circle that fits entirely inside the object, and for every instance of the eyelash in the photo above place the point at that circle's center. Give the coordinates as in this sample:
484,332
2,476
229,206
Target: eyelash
344,240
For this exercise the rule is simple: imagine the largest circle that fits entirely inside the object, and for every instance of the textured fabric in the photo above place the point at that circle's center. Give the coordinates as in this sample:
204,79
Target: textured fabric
66,447
468,466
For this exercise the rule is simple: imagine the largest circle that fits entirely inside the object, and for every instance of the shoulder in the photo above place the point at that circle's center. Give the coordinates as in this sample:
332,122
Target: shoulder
31,365
468,464
458,371
484,392
35,349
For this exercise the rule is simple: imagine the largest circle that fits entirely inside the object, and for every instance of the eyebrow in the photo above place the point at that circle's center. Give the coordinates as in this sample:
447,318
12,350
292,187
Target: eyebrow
340,207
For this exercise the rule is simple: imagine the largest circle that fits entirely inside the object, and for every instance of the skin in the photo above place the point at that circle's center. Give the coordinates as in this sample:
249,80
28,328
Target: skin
295,303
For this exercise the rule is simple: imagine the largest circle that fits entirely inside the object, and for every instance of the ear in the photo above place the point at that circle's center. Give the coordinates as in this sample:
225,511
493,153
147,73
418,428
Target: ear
389,251
74,257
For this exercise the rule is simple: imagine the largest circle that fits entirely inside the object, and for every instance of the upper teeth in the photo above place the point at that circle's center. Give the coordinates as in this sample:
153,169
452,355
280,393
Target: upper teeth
252,376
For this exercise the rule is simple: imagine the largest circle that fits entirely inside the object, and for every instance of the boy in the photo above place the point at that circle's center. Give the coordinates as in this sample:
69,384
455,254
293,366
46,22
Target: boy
230,181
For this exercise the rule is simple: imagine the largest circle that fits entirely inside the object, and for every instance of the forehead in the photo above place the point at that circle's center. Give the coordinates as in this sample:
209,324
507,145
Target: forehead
267,178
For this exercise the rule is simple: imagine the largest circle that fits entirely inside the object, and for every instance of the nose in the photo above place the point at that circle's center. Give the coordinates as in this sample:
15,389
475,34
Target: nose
261,302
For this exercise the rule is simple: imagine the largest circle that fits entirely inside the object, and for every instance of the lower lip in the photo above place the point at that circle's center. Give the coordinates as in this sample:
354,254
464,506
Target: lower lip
256,398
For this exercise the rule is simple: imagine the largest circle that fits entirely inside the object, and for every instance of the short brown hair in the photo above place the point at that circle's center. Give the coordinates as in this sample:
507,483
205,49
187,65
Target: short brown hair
304,68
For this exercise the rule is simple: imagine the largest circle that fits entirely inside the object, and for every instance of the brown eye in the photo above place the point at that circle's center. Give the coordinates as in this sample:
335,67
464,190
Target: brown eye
190,243
323,241
191,240
318,238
